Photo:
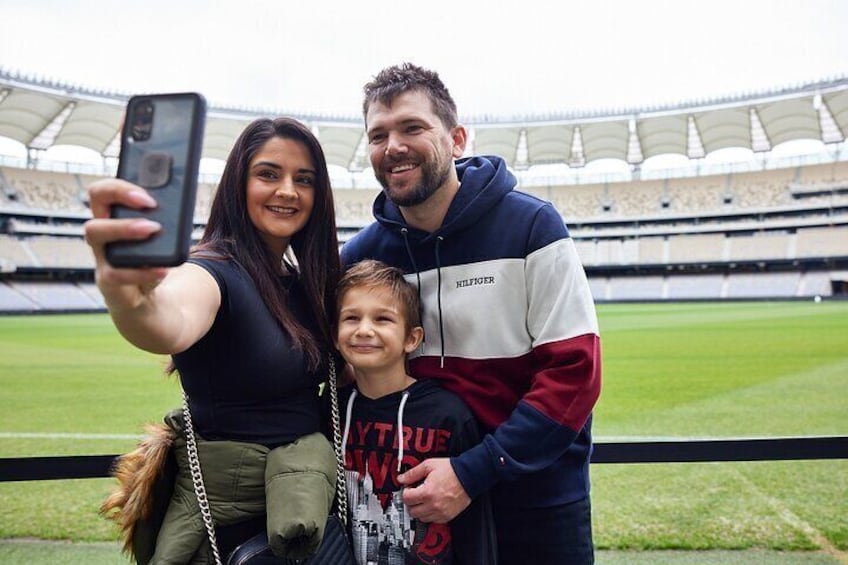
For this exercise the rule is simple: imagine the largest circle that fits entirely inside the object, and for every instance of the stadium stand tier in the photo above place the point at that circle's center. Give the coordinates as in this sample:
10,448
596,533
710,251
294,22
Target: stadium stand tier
775,245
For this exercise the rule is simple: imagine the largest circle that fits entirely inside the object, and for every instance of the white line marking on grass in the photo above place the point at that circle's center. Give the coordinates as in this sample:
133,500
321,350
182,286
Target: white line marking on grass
64,435
630,439
795,521
601,439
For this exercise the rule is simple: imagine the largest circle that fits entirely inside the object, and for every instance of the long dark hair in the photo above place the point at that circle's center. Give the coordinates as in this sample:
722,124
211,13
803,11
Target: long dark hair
230,233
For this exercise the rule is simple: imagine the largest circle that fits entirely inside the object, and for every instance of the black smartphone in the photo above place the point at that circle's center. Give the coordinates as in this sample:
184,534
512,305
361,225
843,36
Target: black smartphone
161,144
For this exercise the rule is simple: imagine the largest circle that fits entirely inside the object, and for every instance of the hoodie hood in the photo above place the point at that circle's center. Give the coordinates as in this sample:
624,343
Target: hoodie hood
421,388
484,181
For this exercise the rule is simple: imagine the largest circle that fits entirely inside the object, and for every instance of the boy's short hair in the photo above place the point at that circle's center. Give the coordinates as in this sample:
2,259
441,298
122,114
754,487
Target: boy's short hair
370,273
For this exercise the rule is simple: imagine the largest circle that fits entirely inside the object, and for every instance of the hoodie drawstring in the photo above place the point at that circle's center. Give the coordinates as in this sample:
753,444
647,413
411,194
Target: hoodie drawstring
439,239
349,411
405,233
400,428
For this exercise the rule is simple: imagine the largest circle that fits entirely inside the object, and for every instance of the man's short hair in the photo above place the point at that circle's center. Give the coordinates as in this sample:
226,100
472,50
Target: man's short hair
393,81
370,274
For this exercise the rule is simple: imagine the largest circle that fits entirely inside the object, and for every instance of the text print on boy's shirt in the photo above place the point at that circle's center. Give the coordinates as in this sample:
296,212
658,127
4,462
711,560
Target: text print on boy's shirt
432,423
375,494
381,460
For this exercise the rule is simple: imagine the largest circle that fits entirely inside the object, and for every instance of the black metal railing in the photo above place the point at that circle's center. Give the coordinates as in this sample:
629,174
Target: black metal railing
685,451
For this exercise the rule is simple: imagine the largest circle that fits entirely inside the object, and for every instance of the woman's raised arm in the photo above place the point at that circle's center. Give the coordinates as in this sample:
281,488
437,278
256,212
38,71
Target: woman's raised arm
157,309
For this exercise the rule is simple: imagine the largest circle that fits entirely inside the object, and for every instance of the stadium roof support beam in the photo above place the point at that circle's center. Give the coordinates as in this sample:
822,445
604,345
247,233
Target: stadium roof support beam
578,159
47,136
360,156
498,141
830,132
521,151
759,138
694,143
634,144
114,147
340,143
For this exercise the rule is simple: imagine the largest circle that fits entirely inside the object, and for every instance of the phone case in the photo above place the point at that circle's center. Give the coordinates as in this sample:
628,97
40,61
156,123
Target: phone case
161,144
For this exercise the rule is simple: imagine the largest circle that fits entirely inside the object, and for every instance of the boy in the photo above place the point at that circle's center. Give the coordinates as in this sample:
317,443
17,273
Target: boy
393,422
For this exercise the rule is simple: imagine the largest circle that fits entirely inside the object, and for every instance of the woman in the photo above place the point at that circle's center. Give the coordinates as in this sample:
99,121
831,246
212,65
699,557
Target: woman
248,331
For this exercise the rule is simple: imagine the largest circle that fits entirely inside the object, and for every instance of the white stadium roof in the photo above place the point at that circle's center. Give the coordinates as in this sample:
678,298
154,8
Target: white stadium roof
40,114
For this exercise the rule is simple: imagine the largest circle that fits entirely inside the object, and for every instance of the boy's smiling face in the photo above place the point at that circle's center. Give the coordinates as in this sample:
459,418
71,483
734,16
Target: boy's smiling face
372,332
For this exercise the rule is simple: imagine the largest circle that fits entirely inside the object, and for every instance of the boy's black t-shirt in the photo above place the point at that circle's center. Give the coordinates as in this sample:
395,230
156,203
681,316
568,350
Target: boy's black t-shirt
435,423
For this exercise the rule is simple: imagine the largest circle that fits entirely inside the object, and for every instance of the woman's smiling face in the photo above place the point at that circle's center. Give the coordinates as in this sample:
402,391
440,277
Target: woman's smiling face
280,190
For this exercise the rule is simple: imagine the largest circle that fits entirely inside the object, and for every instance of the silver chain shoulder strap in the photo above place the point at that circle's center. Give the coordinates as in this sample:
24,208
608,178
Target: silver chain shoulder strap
197,476
341,483
197,480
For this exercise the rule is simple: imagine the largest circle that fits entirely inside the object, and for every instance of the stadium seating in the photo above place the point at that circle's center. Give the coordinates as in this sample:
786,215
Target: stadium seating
61,252
203,201
694,248
698,193
16,252
651,287
822,242
653,251
56,296
12,300
763,285
690,287
44,190
758,246
353,206
681,238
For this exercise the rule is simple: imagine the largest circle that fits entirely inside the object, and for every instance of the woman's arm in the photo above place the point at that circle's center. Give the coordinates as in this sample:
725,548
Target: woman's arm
156,309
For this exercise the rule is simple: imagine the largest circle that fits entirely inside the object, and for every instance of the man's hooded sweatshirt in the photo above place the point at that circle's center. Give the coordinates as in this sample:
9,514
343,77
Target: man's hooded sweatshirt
386,436
510,327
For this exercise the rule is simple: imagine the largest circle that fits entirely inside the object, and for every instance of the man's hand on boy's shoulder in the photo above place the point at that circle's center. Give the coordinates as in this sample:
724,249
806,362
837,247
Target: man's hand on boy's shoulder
437,495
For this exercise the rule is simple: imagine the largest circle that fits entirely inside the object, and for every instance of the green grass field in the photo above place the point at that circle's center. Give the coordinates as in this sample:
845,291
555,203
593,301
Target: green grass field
71,385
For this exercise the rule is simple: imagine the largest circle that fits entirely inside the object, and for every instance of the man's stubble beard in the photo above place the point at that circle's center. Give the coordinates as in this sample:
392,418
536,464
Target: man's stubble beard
432,178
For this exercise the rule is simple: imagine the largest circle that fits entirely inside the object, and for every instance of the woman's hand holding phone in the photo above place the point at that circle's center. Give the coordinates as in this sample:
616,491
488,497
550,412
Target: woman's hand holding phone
125,285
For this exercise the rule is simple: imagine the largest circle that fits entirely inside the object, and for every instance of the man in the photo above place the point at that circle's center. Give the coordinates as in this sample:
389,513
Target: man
509,321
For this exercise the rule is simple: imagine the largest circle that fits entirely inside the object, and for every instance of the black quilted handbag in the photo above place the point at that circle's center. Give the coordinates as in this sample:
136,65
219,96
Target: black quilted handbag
335,548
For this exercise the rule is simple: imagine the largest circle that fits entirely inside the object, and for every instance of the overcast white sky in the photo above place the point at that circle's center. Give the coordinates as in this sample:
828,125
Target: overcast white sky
496,57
